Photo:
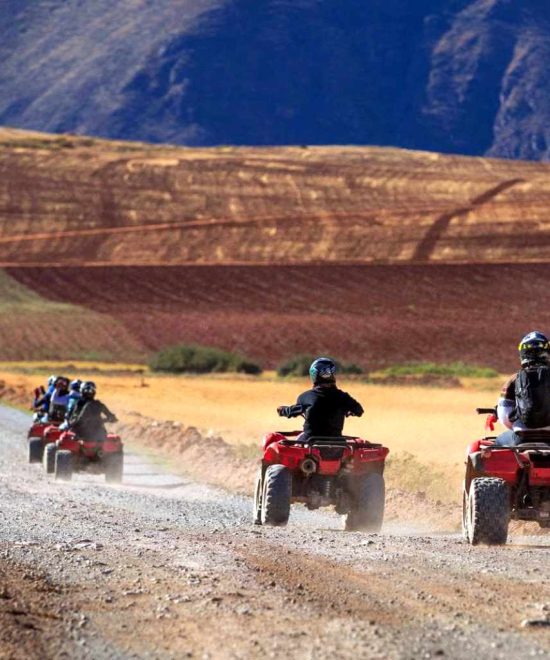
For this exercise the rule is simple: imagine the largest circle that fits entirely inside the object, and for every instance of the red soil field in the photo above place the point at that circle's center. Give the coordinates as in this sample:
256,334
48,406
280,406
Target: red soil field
373,315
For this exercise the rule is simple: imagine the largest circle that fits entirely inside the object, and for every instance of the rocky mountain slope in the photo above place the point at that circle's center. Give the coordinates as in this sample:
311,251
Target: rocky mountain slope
461,76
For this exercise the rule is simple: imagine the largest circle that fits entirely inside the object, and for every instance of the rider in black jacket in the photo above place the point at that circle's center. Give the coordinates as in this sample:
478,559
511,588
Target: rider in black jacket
89,415
324,407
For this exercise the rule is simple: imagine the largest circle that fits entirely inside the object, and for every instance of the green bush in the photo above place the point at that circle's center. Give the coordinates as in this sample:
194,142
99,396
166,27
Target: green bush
457,369
190,358
298,365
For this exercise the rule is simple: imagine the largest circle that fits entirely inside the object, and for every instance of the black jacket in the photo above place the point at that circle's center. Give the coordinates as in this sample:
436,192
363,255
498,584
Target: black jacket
87,420
325,409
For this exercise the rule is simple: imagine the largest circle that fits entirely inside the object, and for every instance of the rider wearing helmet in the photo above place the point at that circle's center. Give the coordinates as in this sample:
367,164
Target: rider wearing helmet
42,397
59,399
324,407
74,396
534,354
89,415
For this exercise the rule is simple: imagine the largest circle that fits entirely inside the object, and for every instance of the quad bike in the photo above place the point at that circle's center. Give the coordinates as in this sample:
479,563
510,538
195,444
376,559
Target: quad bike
38,440
505,483
321,471
70,454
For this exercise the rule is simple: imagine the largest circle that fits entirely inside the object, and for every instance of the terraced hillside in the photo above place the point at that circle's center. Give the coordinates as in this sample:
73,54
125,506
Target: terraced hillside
377,256
66,200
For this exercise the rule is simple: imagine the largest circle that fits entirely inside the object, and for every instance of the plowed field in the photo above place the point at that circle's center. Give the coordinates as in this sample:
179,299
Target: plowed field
374,315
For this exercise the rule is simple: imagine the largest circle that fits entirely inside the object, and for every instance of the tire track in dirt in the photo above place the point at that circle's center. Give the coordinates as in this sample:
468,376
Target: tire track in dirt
156,572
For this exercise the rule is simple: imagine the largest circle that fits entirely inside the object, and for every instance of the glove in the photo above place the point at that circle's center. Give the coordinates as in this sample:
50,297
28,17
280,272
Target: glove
281,410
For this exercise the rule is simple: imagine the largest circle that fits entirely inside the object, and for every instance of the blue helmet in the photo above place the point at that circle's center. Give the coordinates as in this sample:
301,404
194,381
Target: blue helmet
322,370
75,385
534,349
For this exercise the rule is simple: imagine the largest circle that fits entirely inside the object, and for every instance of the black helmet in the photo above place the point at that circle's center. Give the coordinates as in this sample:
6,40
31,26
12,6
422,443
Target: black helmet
534,349
322,370
88,389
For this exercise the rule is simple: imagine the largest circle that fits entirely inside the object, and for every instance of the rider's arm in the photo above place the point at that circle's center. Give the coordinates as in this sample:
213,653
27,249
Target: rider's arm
299,408
354,407
291,411
110,417
507,403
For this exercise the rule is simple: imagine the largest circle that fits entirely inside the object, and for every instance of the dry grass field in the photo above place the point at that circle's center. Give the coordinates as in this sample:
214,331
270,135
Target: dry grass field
426,429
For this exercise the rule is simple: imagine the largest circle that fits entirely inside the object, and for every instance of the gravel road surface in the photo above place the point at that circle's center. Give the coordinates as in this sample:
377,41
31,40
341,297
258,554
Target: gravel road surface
163,567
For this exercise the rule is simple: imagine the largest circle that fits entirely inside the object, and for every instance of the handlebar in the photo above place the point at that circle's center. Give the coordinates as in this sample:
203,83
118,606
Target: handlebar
486,411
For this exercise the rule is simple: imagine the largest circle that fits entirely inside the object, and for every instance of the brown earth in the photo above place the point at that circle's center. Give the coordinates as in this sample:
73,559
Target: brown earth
377,256
372,315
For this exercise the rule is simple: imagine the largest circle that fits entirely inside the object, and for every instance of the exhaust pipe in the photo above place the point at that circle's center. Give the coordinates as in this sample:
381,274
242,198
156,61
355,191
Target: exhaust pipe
308,466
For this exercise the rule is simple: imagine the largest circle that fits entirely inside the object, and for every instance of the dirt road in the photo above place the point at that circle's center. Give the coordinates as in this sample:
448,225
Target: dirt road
165,568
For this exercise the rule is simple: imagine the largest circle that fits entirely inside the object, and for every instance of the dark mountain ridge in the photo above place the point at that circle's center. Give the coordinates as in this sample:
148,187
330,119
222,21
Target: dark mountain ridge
459,76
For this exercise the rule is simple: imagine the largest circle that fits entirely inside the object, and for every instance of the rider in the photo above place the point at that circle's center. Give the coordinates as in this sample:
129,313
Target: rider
89,415
324,407
534,352
74,396
41,403
59,399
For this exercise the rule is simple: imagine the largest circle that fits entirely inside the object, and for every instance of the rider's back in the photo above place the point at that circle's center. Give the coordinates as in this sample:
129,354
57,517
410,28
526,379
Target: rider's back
326,409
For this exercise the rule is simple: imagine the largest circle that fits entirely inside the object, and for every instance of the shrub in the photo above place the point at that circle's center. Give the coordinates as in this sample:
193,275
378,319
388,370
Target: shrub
298,365
190,358
457,369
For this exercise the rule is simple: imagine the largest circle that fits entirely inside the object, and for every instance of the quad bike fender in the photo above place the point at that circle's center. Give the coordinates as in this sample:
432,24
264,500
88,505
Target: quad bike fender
113,444
478,445
369,460
289,455
539,476
68,441
37,430
501,464
270,438
51,434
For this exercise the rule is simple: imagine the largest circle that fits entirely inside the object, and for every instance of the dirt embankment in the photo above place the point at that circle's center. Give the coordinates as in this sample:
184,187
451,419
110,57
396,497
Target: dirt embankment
67,200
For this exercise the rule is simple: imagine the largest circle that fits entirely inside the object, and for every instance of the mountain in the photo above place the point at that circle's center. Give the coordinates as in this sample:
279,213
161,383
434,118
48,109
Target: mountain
454,76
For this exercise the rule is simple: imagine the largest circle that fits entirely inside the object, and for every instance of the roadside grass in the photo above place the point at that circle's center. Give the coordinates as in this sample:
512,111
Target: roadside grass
456,369
438,483
86,366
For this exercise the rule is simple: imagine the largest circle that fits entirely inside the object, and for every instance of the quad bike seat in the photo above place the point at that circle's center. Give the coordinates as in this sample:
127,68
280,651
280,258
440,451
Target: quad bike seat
539,438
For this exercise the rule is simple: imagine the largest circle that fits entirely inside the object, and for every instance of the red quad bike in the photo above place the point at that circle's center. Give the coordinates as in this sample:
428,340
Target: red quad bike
320,471
70,454
505,483
37,439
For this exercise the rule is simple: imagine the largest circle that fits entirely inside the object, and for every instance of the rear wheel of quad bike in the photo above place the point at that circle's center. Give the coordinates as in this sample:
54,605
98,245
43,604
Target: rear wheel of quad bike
367,504
48,458
114,465
36,449
488,511
465,532
63,465
276,493
257,506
